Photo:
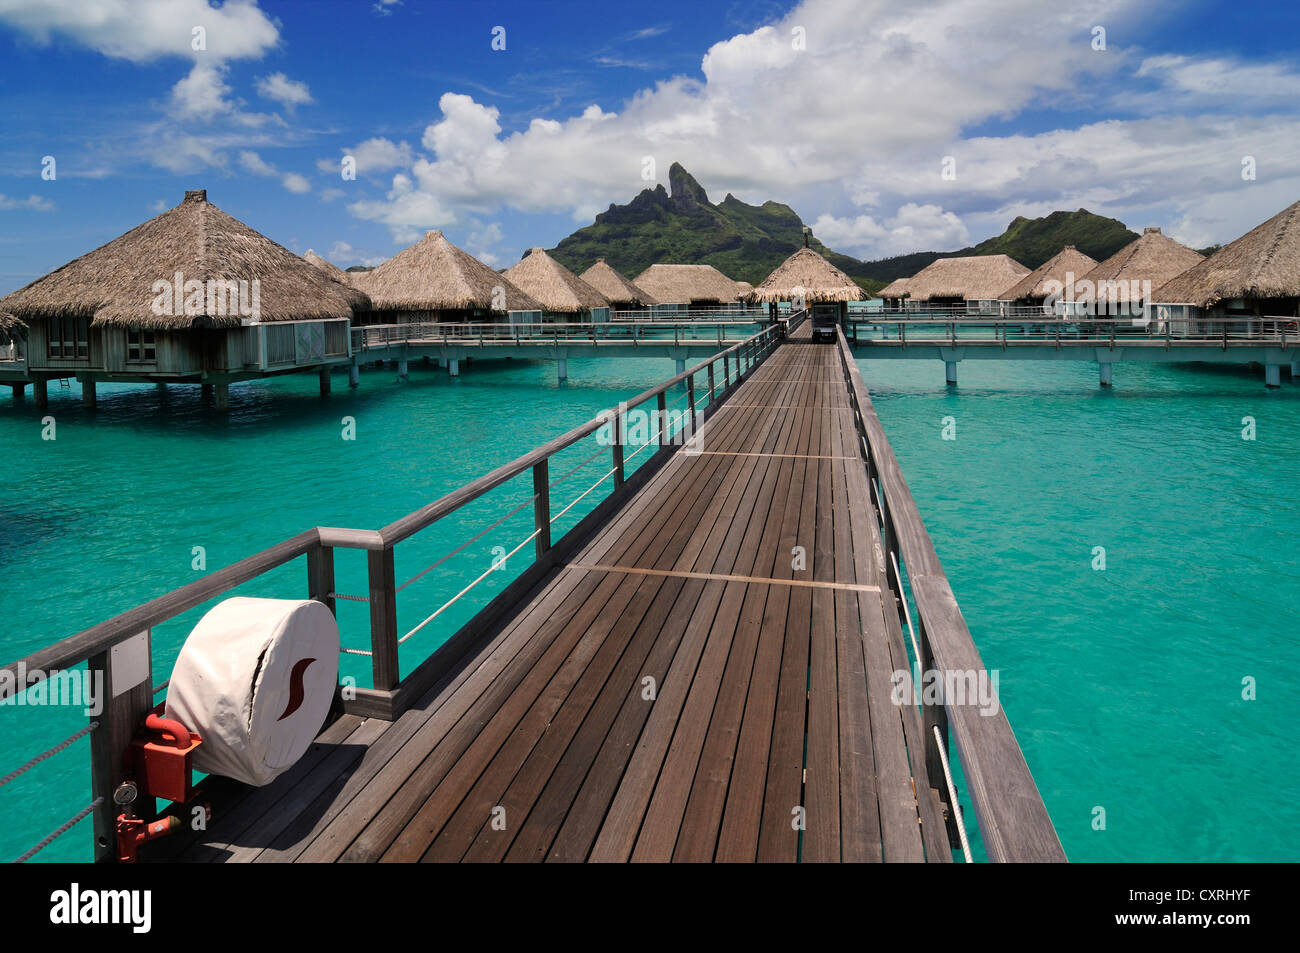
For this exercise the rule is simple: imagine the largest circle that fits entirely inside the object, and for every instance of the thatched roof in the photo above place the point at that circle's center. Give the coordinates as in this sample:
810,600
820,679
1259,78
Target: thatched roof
114,284
1068,260
1263,263
745,288
972,278
683,284
807,274
895,289
1153,258
331,269
558,289
435,275
616,289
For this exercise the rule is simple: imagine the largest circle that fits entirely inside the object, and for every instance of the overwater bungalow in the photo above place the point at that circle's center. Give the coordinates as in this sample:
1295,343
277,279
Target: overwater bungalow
1249,286
562,294
191,296
690,287
807,279
622,294
895,295
973,282
435,281
1119,285
1049,279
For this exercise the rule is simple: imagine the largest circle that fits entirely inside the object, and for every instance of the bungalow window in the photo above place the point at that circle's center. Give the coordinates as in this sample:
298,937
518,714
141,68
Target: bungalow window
141,346
69,339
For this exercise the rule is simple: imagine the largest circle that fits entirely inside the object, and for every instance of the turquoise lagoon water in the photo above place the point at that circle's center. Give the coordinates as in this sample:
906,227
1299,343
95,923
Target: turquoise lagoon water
1124,686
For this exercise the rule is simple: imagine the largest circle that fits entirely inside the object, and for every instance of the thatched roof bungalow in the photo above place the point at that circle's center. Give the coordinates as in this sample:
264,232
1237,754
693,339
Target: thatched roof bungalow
975,281
559,290
807,280
1049,278
693,286
618,290
191,294
1255,277
894,293
807,276
433,280
1120,284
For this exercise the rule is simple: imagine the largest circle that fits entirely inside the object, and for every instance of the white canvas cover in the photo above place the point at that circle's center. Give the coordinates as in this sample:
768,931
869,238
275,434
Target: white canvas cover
255,679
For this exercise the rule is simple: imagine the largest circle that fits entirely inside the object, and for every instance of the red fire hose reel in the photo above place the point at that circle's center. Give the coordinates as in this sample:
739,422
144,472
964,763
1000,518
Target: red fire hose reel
160,764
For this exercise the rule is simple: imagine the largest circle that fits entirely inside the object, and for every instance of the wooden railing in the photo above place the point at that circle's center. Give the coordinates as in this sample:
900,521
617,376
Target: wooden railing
1033,326
126,705
370,337
1013,820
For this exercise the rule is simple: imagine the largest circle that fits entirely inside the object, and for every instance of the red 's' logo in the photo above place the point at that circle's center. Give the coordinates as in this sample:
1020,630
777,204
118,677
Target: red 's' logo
296,691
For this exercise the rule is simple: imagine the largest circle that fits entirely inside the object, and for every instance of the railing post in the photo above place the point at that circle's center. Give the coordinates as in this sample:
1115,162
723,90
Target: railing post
123,677
726,370
690,399
383,619
617,431
933,714
711,390
663,419
542,507
320,575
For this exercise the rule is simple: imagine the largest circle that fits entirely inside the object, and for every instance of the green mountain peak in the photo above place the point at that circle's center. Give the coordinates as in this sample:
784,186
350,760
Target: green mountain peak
679,225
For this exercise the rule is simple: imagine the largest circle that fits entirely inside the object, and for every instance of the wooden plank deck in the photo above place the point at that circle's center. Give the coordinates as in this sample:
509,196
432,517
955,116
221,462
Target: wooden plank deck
708,671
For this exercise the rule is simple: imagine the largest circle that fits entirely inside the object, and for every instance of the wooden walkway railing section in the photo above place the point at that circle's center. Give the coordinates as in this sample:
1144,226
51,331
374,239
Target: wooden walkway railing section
770,692
1025,326
1013,821
715,330
126,706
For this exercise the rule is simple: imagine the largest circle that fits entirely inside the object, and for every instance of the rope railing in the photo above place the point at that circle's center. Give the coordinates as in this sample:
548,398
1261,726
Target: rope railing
467,543
585,494
952,794
60,830
17,772
454,599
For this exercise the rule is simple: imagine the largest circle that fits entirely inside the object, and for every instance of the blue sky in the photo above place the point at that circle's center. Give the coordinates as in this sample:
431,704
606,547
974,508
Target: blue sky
845,110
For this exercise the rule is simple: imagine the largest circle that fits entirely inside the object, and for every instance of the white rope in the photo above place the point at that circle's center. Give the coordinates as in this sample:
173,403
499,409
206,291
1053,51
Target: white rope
650,442
907,614
468,542
584,495
355,652
453,599
599,452
952,793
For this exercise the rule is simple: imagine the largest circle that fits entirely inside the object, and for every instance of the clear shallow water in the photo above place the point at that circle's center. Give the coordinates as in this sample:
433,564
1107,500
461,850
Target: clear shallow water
1123,686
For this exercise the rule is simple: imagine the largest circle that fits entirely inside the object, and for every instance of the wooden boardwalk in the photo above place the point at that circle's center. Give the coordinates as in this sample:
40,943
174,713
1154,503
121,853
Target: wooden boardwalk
708,673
